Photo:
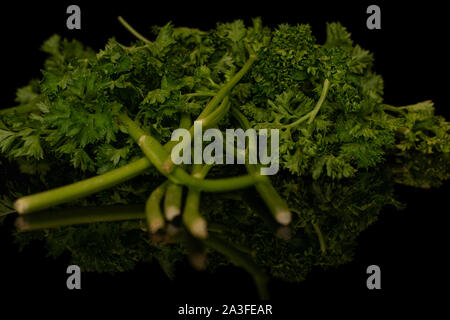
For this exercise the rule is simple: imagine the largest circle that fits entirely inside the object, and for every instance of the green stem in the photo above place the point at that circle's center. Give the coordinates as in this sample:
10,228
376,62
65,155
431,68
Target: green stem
80,215
393,109
323,95
46,199
172,201
150,146
213,118
200,94
185,121
268,193
192,218
297,122
174,192
202,171
310,116
209,121
133,31
243,260
222,185
273,200
153,212
225,90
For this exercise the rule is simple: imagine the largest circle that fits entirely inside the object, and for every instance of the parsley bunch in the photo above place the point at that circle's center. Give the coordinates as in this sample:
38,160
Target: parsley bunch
103,118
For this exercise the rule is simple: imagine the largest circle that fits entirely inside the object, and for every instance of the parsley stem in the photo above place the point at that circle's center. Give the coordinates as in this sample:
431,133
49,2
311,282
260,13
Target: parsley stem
174,192
312,114
185,120
273,200
153,212
192,219
297,122
393,109
133,31
268,193
200,94
209,121
172,200
323,95
80,189
149,145
225,90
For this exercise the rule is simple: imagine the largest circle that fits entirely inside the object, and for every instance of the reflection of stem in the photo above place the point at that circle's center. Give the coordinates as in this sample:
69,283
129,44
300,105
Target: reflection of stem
323,247
242,260
81,215
282,232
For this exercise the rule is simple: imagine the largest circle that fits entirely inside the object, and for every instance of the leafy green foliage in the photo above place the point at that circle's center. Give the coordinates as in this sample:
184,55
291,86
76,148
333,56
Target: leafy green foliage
65,129
82,92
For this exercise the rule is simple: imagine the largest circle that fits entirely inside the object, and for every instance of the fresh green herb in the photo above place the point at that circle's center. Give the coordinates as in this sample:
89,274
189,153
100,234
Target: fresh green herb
96,129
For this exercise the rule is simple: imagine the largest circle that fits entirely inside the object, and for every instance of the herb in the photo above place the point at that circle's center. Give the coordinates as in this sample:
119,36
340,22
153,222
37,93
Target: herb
95,131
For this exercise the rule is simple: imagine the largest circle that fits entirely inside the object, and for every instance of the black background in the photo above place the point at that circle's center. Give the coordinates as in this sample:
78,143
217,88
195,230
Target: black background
410,246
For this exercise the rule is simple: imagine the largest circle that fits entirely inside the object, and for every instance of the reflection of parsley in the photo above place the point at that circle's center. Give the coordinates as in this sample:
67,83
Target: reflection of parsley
105,247
104,118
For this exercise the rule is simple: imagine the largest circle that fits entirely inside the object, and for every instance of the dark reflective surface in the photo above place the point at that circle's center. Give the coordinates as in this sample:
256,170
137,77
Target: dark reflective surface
328,219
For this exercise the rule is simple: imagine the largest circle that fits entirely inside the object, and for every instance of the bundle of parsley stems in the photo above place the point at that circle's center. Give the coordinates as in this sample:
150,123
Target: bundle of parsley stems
159,156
